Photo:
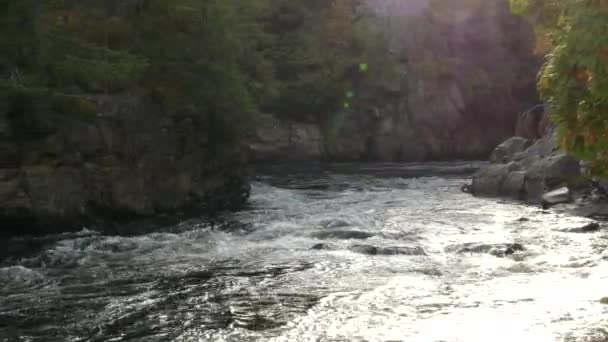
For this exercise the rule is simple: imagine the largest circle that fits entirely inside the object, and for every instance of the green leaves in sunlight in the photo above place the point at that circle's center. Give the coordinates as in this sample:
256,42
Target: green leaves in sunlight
574,78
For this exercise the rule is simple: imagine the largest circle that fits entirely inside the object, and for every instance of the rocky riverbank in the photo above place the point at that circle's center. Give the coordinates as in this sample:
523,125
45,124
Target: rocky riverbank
538,171
127,161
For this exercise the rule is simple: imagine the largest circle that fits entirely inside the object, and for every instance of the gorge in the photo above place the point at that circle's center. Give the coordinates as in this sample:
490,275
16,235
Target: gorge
302,170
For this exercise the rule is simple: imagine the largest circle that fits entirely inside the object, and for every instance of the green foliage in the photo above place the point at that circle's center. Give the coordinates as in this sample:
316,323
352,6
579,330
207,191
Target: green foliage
224,61
574,79
321,52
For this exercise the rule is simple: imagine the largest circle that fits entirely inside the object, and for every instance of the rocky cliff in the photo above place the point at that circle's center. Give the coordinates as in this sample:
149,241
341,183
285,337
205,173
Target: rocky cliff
463,71
125,160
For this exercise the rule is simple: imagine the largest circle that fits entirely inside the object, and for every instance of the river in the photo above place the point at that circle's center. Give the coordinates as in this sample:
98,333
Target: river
351,252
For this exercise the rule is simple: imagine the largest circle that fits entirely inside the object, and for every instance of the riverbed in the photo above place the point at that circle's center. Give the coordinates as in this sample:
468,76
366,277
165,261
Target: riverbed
348,252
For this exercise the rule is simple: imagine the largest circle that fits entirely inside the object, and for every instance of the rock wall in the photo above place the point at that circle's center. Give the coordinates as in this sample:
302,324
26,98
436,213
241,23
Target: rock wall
60,171
285,141
462,76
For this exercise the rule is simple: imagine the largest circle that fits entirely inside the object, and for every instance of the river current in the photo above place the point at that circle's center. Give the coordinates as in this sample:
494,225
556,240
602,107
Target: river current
386,252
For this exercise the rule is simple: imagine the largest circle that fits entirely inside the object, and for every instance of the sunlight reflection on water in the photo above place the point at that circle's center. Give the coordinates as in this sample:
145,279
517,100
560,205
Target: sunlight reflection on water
261,280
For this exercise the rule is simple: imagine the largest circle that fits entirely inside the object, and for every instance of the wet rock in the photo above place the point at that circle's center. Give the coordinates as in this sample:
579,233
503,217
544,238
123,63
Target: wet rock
334,223
588,228
532,123
513,185
343,234
234,227
561,195
466,188
19,276
394,250
322,246
505,152
604,301
499,249
527,174
130,162
561,168
488,181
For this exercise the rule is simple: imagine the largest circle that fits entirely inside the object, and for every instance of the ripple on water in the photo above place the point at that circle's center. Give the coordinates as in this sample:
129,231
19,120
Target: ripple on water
332,256
19,278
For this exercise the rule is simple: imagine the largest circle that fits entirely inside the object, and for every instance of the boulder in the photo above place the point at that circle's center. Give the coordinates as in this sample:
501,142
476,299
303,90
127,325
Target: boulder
489,180
342,234
587,228
561,168
505,152
532,123
513,185
534,188
394,250
322,246
495,249
525,171
561,195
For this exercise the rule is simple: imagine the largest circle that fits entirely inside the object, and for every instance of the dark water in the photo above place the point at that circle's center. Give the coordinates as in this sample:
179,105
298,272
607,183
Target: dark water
400,254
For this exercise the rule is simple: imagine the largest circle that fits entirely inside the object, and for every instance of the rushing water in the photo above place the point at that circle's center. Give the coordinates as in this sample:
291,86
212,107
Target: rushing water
358,253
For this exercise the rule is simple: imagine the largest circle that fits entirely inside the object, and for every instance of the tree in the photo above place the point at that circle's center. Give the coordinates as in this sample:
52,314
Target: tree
574,78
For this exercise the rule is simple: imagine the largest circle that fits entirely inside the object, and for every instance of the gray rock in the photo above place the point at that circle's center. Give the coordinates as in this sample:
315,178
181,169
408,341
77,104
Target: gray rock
587,228
489,180
561,195
499,249
132,161
397,250
275,139
505,152
513,185
342,234
561,169
532,123
530,172
322,246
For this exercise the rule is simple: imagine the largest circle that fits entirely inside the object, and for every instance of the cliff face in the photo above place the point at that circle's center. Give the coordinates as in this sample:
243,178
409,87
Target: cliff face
462,75
127,161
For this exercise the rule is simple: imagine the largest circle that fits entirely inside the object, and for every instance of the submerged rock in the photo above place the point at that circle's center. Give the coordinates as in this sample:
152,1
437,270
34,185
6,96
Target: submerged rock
588,228
322,246
343,234
337,223
497,249
395,250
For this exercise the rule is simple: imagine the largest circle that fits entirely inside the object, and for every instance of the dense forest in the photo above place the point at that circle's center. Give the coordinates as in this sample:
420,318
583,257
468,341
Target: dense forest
233,62
123,109
141,107
229,61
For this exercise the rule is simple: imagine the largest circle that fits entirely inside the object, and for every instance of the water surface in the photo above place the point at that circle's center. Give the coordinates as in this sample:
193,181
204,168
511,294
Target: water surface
344,253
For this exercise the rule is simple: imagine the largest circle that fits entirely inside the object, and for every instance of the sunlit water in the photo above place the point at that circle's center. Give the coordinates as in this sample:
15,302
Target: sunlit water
400,254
